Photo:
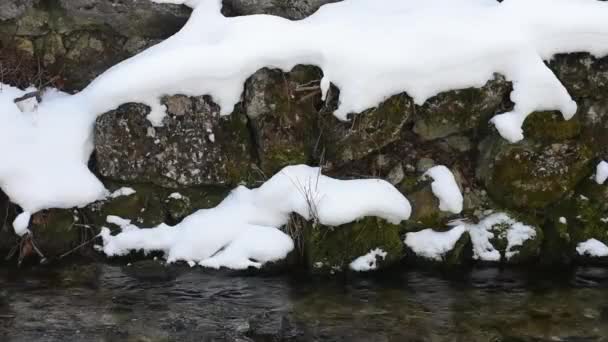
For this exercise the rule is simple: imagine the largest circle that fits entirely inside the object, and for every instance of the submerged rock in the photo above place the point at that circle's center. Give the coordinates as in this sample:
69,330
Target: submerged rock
195,147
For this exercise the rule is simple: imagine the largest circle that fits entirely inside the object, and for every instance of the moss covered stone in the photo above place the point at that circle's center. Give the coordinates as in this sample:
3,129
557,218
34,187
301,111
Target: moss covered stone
57,231
144,208
282,108
528,175
366,133
461,110
582,74
332,249
551,127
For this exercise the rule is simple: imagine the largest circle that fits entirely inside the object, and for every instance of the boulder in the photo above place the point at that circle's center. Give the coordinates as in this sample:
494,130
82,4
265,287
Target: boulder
529,175
195,147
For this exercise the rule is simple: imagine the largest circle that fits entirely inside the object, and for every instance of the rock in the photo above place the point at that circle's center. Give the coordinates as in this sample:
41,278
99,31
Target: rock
191,200
145,208
290,9
551,127
582,74
460,110
129,18
585,218
366,133
528,175
7,235
11,9
396,174
282,108
56,231
425,209
332,249
424,164
195,147
76,40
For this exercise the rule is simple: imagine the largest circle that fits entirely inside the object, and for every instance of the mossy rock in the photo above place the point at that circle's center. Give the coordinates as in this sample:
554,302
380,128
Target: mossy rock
531,176
460,110
332,249
57,231
282,108
366,133
191,200
551,127
145,208
425,208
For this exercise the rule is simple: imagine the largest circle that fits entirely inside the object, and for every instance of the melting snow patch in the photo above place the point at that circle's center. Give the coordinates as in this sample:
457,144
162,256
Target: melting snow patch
122,192
601,173
369,261
445,189
433,245
176,196
242,231
593,248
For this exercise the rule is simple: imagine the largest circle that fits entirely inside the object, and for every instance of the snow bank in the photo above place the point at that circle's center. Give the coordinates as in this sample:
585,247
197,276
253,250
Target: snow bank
369,261
601,173
593,248
215,55
370,49
44,153
242,231
433,245
445,189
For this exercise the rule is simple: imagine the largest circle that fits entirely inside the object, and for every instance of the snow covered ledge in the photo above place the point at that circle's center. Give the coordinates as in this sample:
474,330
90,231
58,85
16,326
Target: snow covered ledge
242,231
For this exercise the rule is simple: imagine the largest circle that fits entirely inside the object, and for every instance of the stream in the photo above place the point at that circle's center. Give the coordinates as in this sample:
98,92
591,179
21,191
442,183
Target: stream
148,302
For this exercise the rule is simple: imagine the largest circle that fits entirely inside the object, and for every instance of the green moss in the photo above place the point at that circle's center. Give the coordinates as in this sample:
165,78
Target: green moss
529,176
334,248
550,127
367,132
55,231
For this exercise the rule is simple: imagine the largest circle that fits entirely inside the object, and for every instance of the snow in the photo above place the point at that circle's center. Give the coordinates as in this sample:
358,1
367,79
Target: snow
119,221
515,232
601,173
434,245
451,44
21,223
124,191
563,220
243,230
369,261
593,248
176,196
445,189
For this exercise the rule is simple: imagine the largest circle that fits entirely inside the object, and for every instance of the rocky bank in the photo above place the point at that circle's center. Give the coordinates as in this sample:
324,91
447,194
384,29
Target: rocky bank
544,180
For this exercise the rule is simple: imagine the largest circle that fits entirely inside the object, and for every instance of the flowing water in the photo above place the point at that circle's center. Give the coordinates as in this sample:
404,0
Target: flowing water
149,302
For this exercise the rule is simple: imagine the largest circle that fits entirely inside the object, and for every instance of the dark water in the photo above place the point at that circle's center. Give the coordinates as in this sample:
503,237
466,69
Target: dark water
145,302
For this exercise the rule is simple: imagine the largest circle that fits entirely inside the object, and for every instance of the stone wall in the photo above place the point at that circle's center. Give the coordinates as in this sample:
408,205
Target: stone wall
282,120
